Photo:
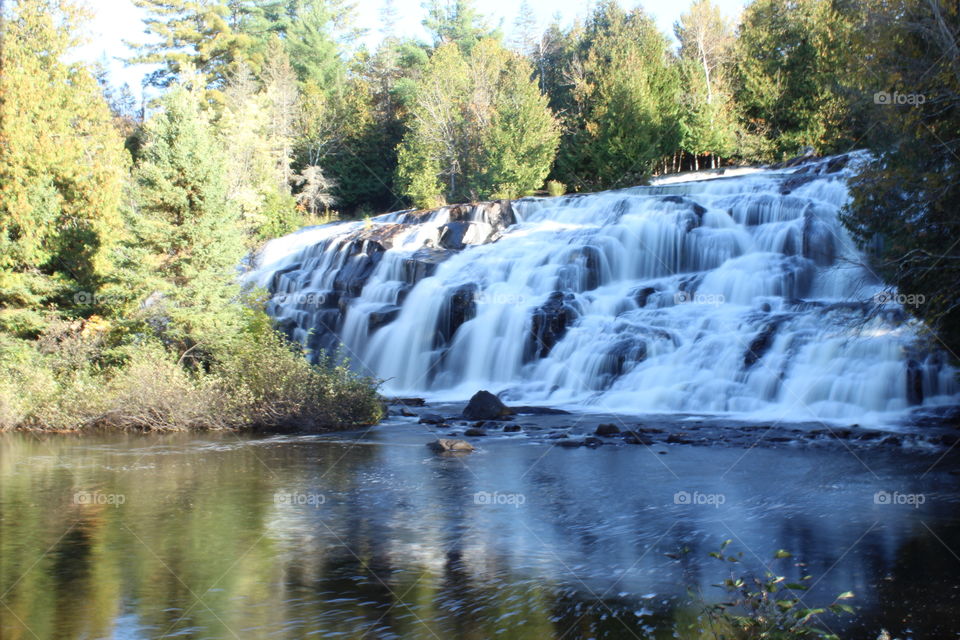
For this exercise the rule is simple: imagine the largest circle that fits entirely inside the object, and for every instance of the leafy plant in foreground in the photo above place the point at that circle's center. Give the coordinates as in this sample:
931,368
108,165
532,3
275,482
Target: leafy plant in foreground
767,607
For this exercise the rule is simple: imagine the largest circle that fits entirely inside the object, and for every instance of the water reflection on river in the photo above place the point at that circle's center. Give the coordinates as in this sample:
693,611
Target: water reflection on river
293,537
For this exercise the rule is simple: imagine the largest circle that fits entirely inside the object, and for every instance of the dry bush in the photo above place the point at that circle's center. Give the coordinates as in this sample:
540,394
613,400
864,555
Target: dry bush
152,392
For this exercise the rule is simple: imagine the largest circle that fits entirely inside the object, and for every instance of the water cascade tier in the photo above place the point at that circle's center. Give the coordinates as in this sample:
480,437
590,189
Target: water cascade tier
731,295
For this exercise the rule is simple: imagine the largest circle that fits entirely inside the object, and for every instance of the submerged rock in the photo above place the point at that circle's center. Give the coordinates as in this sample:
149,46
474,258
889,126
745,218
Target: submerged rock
632,437
539,411
431,418
450,445
475,432
486,406
607,430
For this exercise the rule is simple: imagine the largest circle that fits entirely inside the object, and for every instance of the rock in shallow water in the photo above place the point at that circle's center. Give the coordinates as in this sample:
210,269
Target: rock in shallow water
486,406
444,445
607,430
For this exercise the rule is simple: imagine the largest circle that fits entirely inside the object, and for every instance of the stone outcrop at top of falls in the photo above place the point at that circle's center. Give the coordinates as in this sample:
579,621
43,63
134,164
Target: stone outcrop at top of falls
740,295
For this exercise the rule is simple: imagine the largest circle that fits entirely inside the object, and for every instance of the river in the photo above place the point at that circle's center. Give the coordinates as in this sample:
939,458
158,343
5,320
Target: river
370,535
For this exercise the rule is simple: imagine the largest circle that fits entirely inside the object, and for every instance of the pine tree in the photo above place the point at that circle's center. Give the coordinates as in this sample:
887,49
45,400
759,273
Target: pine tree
793,58
62,167
524,38
623,117
202,34
456,21
186,228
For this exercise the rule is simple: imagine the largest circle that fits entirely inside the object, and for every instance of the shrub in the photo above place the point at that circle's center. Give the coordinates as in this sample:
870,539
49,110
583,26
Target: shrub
267,384
153,392
556,188
254,380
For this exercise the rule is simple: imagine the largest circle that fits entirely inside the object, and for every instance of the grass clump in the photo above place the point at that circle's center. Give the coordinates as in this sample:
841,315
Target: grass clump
556,188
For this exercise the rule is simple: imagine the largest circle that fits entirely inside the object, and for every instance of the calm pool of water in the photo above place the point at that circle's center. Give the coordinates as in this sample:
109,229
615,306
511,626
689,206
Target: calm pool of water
373,536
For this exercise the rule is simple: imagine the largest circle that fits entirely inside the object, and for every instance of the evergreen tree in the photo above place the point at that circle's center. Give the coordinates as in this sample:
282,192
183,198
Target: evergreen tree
525,36
313,46
904,210
456,21
624,89
186,229
793,59
479,128
62,166
202,34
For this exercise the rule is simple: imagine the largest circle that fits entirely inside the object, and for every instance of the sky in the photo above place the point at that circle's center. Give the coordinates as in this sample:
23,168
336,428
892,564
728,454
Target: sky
118,20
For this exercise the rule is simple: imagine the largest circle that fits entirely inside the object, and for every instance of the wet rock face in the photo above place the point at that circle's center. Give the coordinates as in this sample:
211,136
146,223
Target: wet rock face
760,343
641,296
423,264
818,241
914,383
460,306
622,355
353,258
550,323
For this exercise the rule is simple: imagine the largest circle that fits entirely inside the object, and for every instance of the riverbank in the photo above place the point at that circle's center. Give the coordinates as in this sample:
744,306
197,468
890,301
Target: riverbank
74,378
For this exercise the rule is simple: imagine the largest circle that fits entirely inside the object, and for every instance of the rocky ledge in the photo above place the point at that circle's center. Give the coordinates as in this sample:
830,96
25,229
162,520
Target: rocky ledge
486,416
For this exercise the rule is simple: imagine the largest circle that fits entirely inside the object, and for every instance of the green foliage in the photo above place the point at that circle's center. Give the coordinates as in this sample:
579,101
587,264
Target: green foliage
268,385
479,128
255,381
904,208
624,102
793,60
707,119
767,607
187,234
62,166
456,22
198,35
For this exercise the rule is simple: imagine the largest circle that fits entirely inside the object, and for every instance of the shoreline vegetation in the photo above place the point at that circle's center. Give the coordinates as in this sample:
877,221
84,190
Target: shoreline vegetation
121,226
76,382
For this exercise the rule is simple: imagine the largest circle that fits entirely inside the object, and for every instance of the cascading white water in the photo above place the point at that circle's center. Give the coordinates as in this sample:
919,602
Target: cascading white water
731,295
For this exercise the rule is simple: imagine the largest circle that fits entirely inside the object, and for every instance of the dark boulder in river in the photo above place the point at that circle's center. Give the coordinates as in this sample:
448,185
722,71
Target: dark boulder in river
486,406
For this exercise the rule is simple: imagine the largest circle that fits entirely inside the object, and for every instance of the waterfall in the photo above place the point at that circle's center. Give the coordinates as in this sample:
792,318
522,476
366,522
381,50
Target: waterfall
733,295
